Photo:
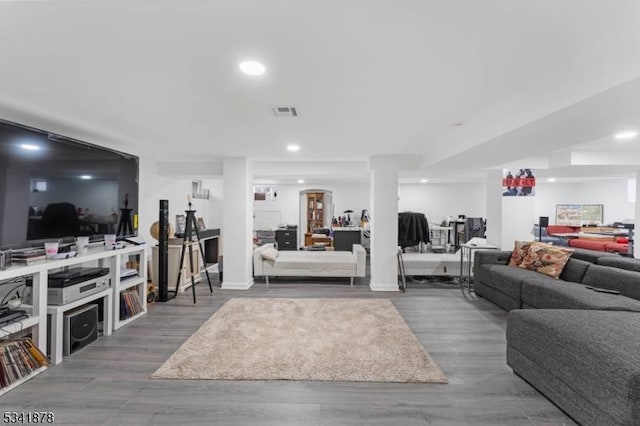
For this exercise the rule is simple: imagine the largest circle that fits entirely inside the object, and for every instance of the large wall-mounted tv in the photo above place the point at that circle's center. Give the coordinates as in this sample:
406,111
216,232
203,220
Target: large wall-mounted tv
54,187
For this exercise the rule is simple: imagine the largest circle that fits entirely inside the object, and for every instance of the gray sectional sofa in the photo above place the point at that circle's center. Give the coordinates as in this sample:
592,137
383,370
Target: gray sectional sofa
577,346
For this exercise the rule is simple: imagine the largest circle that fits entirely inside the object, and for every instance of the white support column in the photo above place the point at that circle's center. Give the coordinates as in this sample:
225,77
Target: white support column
384,225
237,222
636,230
494,207
518,217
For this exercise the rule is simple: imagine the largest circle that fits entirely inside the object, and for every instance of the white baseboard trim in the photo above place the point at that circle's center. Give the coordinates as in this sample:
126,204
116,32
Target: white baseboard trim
237,286
383,287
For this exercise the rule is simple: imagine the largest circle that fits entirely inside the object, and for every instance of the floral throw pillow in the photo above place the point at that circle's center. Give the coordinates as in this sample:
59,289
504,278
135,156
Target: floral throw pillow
520,250
546,259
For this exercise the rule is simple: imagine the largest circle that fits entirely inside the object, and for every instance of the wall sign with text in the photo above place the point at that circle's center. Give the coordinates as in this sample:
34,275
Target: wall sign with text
518,183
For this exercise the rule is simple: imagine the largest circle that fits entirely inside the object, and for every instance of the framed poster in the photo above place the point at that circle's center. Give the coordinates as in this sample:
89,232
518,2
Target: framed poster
518,184
579,214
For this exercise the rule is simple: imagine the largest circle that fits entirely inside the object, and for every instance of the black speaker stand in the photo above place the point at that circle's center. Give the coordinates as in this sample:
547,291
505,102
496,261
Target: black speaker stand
190,228
124,226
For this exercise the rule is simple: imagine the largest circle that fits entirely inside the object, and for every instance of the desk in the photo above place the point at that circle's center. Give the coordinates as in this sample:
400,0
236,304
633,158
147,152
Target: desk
309,240
466,252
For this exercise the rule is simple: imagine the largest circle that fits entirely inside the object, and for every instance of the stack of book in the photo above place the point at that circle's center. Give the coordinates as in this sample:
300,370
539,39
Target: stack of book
129,304
19,358
28,256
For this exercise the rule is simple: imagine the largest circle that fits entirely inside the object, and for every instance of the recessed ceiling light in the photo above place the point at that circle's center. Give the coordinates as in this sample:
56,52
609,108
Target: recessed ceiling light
625,135
458,123
551,179
30,147
86,177
300,180
424,180
293,148
252,68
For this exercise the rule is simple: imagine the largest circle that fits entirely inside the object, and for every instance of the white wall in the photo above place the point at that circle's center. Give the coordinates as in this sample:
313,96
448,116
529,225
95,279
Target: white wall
436,201
156,186
354,196
611,193
439,200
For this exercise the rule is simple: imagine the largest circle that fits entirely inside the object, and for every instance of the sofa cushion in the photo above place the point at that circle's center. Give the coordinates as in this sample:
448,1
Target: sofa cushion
574,270
504,278
593,354
558,294
627,263
520,251
269,253
497,297
546,259
626,282
590,255
316,259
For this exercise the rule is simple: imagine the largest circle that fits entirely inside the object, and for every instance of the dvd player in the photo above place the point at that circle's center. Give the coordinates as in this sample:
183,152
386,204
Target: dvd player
74,276
68,286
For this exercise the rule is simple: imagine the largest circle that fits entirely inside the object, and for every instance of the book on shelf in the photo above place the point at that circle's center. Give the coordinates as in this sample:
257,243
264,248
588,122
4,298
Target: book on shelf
18,359
128,273
28,260
28,256
130,304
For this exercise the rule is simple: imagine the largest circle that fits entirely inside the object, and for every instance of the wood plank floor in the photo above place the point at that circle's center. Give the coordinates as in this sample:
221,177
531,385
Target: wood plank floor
108,381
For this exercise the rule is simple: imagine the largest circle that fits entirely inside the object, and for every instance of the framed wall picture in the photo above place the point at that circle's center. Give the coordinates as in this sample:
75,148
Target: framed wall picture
181,223
579,214
201,225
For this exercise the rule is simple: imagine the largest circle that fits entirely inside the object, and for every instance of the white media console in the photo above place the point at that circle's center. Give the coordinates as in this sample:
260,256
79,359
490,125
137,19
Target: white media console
112,259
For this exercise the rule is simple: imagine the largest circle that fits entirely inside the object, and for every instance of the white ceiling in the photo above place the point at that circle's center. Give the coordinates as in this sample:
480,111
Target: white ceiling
160,79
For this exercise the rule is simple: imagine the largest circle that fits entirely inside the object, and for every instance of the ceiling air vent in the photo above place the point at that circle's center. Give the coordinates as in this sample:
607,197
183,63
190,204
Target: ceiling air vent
284,111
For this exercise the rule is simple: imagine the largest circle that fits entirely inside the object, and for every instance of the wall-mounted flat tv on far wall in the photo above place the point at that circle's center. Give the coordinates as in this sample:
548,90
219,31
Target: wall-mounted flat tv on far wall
54,187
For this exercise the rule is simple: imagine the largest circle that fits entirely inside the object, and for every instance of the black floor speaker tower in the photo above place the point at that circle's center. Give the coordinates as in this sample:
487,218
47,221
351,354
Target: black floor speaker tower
543,222
163,252
80,328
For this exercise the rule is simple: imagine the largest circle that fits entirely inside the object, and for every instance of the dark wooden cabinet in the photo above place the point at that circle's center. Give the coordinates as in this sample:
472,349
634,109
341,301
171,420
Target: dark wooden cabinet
287,239
343,240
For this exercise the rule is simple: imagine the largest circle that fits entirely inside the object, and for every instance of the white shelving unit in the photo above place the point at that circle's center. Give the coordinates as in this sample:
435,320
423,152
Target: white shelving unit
119,285
57,318
22,380
39,309
16,327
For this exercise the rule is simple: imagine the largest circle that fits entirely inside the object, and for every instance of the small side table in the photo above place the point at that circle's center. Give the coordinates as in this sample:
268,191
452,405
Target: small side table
466,255
57,317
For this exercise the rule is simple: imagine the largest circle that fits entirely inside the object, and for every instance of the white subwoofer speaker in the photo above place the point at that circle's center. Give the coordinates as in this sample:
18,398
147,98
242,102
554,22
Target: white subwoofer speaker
80,328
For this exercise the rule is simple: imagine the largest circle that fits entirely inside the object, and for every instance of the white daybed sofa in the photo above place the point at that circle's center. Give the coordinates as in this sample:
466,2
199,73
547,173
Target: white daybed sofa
268,262
431,264
436,264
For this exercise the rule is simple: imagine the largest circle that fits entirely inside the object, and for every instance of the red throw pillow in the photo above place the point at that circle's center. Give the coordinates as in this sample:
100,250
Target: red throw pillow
622,240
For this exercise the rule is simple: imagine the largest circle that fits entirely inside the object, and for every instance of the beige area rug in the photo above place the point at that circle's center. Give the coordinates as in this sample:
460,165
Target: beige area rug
363,340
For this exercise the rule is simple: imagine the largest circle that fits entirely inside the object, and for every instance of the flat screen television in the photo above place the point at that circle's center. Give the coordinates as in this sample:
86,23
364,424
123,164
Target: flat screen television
54,187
